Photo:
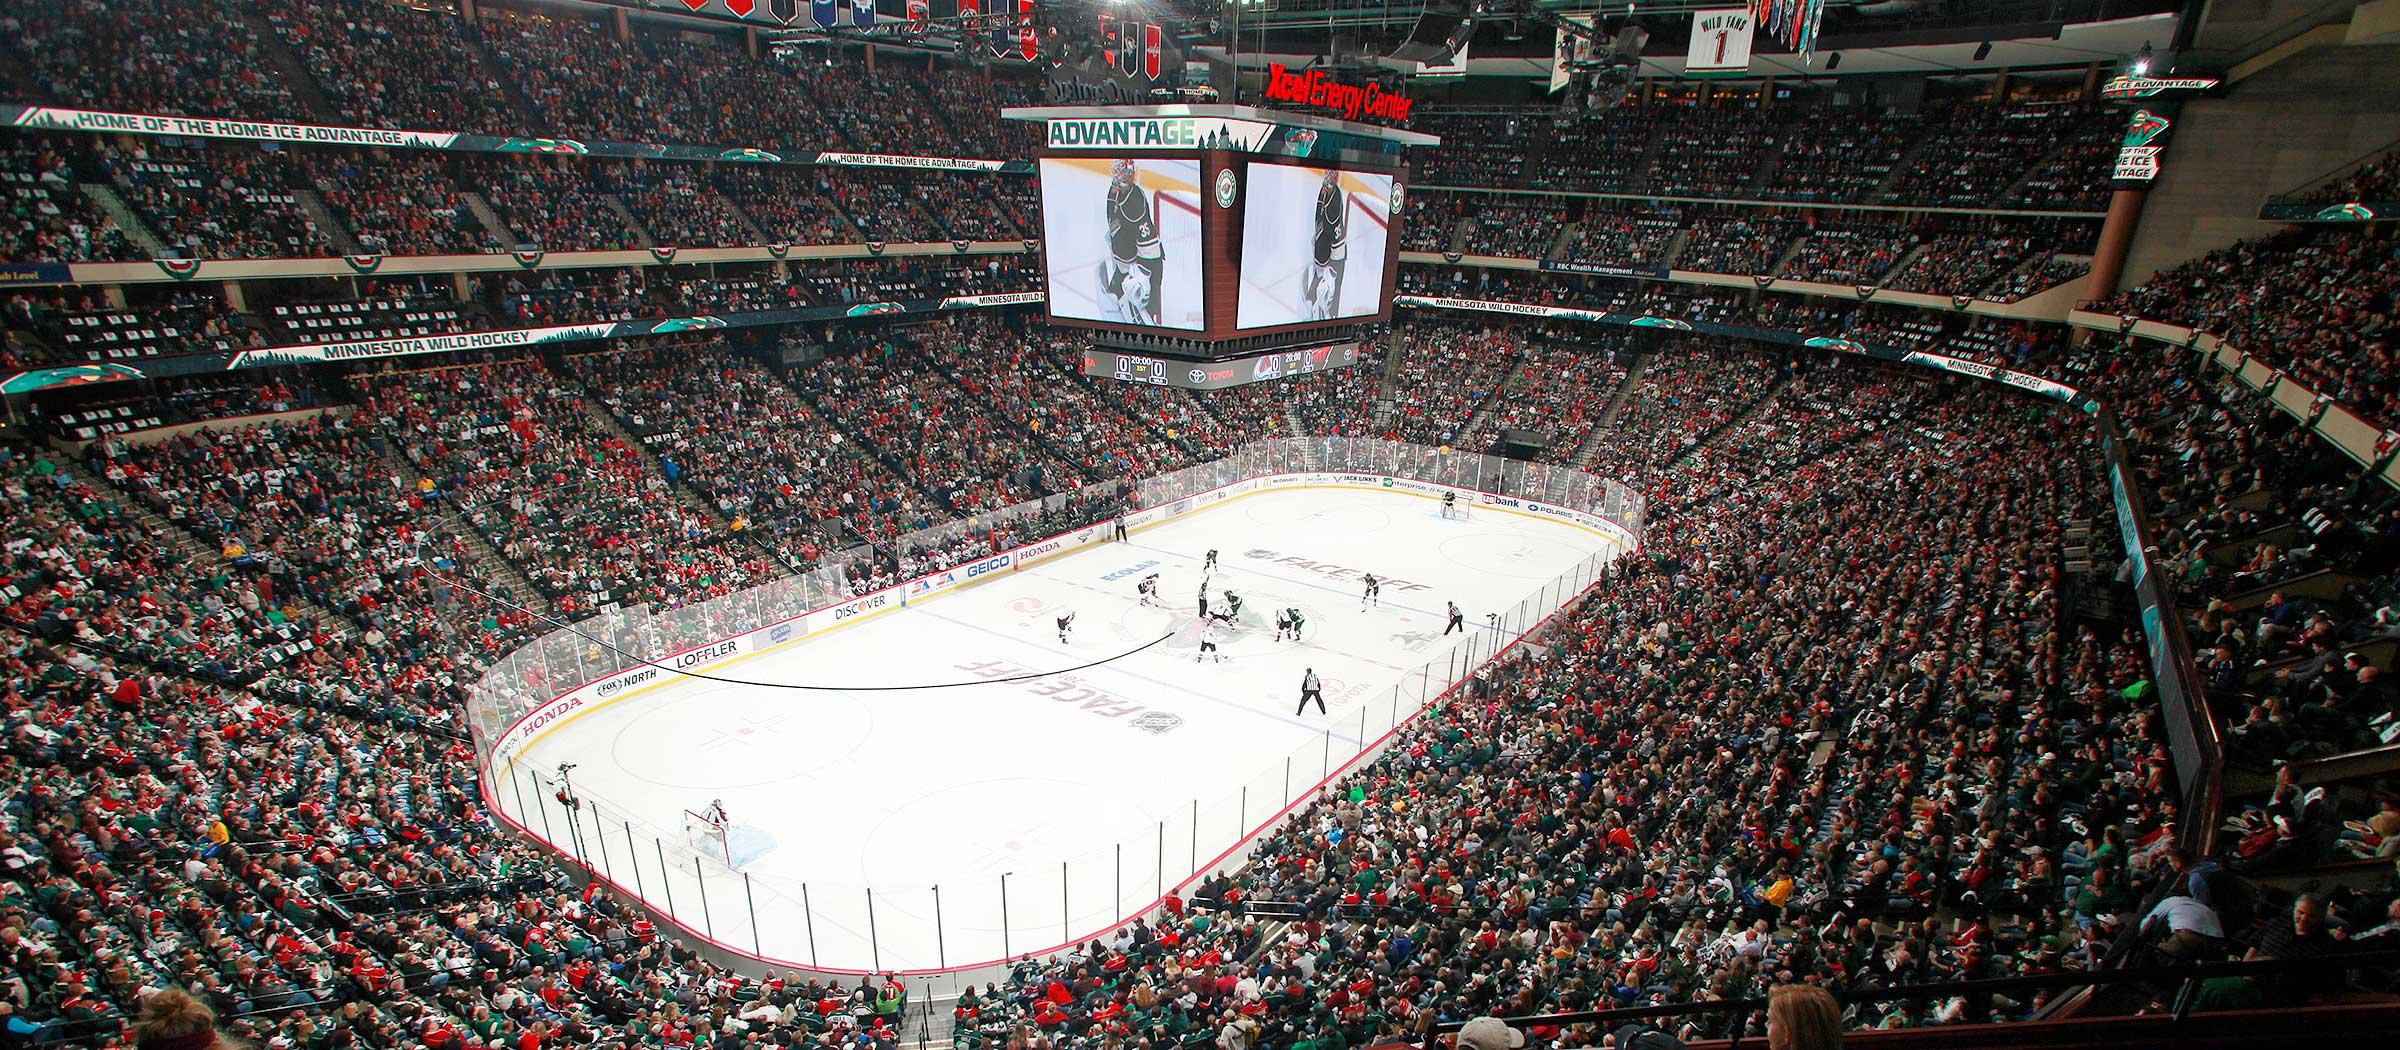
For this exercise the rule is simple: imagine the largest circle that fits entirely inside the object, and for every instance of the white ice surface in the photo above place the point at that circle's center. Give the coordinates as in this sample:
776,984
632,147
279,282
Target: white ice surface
1099,769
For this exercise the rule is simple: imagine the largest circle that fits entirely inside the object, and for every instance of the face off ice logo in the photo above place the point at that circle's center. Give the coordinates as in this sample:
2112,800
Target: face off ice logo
1326,568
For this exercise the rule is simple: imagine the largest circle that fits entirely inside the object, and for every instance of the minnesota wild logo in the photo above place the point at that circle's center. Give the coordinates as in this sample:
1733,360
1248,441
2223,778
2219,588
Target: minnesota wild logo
779,249
686,324
364,264
871,309
1669,323
2352,212
179,269
1826,342
751,155
664,253
2145,128
527,258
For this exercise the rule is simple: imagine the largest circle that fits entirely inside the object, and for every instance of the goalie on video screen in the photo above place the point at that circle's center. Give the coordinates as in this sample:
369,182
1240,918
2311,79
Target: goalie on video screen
1323,284
1136,258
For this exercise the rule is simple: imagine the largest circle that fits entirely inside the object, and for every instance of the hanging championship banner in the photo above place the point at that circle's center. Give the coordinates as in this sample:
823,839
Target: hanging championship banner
1029,43
826,13
1566,50
862,13
920,17
1720,44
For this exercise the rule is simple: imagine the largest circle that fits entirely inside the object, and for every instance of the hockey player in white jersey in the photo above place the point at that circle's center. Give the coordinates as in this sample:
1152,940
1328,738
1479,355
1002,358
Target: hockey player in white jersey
1148,589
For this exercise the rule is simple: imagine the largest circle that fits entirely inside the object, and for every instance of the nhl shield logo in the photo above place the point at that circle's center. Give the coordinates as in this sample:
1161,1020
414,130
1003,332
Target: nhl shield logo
1157,722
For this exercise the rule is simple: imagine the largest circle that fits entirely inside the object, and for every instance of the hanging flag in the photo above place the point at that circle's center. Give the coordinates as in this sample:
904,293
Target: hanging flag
1153,49
1129,47
824,12
920,17
1029,42
1003,35
740,8
783,11
862,13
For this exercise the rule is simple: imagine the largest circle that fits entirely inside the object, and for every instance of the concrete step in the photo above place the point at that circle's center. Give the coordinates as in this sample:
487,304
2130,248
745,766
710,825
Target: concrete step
295,72
321,213
1617,400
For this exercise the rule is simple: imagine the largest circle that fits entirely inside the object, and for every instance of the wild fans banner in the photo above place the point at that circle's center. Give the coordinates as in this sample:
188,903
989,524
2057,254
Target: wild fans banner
1720,44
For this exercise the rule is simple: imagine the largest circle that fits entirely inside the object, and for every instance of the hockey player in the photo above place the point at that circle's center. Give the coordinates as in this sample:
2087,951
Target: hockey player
1458,620
1210,563
1321,287
1449,504
1136,259
1283,623
1233,606
1208,642
1298,621
1064,624
1374,592
1148,589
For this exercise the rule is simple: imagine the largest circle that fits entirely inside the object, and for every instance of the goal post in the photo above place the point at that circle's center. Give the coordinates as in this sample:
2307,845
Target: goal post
706,834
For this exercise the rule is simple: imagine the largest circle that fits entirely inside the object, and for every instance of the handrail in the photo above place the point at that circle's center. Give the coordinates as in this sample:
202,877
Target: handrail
1989,985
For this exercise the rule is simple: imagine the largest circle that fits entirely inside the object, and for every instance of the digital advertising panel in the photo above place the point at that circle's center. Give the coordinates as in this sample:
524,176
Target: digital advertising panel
1316,245
1121,241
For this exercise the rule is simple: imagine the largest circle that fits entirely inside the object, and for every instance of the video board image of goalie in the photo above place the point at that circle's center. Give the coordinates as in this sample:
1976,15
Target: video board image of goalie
1121,240
1314,245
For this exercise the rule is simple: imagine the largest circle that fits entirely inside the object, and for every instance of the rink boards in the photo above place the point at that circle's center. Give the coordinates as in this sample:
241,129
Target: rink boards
600,692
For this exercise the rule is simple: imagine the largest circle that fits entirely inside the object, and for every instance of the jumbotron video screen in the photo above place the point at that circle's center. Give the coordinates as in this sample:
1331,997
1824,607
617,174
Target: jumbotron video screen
1316,245
1121,241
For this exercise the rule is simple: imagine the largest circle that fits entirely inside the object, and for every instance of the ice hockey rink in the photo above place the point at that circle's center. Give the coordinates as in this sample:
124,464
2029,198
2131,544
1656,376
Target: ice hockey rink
1086,793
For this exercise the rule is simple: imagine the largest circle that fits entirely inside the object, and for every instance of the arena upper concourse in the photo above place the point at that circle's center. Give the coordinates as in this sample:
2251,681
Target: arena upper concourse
538,524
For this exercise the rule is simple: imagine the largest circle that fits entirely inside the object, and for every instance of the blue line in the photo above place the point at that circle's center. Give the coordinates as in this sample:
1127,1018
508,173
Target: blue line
1031,644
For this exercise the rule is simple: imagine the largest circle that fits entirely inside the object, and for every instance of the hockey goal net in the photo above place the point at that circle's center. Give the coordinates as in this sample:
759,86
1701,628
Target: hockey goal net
705,833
